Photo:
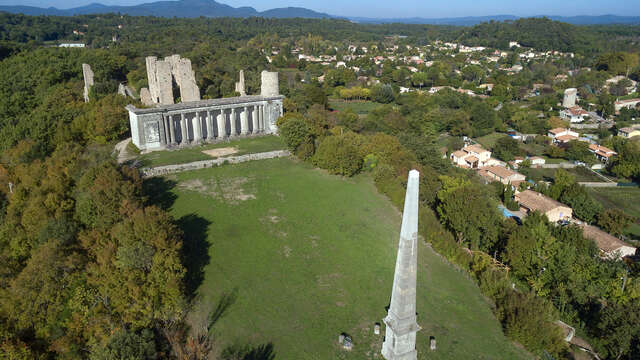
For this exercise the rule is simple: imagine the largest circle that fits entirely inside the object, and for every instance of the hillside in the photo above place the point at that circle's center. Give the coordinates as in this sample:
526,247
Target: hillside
291,257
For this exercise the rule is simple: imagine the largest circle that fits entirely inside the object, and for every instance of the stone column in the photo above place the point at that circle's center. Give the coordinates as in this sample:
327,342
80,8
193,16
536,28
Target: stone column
222,125
233,123
197,129
244,117
165,127
172,133
209,125
184,130
261,118
254,117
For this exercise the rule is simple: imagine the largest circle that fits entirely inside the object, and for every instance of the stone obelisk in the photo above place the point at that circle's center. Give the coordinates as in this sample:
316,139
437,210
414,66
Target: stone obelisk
402,326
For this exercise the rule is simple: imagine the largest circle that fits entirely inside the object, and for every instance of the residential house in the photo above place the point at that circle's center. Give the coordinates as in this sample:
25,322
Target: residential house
537,161
629,132
530,201
472,157
602,153
627,104
562,135
610,246
575,114
501,174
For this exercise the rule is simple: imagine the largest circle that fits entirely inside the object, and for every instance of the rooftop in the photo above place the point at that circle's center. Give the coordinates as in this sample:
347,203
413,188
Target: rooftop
537,201
475,148
557,130
605,241
501,172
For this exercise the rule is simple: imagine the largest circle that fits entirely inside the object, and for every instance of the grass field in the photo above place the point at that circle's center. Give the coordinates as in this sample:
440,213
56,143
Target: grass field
181,156
489,141
623,198
359,107
290,257
581,174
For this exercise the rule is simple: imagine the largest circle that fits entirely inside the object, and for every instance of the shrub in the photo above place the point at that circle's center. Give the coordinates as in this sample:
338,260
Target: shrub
295,132
339,154
305,151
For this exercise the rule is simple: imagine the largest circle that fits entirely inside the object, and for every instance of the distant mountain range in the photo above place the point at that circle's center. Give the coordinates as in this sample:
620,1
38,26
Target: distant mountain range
180,8
474,20
211,8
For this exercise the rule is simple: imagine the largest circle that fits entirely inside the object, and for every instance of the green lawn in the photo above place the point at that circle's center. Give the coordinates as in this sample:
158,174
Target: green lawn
292,257
489,141
181,156
581,174
623,198
359,107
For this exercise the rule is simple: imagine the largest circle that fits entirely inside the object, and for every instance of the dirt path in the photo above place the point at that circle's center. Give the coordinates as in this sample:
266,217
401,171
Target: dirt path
122,153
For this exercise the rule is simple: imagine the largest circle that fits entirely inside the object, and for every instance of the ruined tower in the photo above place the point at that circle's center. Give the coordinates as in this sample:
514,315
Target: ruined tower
87,74
569,99
270,85
401,320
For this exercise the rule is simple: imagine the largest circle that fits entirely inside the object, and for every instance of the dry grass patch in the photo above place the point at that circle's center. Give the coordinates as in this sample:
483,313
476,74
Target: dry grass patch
216,153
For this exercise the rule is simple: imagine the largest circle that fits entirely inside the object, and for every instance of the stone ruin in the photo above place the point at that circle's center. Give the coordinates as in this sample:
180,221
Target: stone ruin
87,73
240,85
162,73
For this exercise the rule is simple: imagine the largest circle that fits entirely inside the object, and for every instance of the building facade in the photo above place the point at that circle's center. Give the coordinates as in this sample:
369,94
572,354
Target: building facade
196,122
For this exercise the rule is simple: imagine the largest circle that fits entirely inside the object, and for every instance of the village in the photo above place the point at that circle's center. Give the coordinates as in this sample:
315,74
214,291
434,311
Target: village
581,121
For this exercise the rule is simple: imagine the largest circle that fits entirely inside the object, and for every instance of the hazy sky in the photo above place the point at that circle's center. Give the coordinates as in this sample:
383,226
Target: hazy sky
406,8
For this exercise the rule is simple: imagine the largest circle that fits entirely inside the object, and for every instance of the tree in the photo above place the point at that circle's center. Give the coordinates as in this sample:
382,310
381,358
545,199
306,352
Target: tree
614,221
419,79
127,345
295,131
617,63
458,201
339,154
483,119
627,163
618,329
382,93
583,205
506,148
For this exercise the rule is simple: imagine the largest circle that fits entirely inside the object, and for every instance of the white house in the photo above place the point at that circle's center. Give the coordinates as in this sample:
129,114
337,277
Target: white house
575,114
473,157
562,135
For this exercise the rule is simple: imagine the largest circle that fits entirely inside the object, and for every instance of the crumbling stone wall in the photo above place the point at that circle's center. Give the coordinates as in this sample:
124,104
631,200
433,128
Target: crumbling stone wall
87,73
161,73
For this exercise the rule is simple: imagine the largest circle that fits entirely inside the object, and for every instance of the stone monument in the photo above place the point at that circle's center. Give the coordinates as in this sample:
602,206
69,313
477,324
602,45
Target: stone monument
87,73
401,321
240,85
569,99
270,85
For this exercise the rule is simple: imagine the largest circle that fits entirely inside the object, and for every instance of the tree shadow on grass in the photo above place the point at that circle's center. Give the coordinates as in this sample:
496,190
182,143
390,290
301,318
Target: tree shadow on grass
195,250
249,352
226,300
157,191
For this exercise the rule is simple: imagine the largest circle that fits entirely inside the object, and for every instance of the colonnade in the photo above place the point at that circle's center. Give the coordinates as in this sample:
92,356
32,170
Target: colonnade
194,126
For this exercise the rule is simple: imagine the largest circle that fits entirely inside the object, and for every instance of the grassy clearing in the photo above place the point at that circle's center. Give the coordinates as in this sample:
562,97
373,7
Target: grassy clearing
489,141
296,256
359,107
581,174
181,156
623,198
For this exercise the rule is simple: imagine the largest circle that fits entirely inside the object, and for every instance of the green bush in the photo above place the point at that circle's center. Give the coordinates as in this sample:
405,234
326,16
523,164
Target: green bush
339,154
295,131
